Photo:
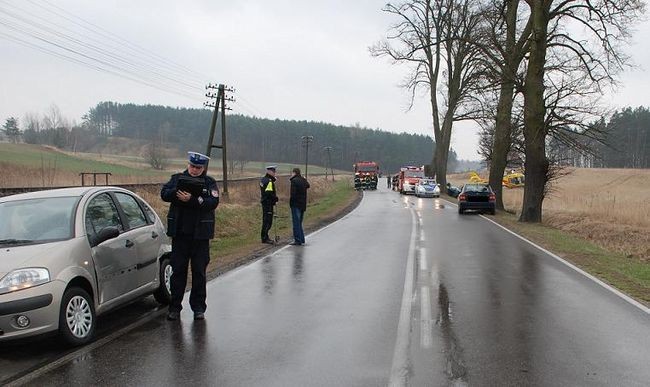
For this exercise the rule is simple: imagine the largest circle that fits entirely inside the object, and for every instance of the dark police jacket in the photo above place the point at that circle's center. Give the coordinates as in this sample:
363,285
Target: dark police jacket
193,218
298,196
267,191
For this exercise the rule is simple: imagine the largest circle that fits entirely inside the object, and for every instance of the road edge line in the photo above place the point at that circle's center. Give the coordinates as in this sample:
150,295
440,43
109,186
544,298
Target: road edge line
399,367
579,270
600,282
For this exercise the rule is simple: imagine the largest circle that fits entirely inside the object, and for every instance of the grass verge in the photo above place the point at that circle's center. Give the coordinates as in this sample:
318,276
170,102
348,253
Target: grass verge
626,273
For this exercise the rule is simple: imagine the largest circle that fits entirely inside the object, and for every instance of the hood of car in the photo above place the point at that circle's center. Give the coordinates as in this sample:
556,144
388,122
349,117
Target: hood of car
16,257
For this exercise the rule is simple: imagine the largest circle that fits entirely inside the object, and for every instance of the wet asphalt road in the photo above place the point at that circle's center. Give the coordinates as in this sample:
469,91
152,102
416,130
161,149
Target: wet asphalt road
401,291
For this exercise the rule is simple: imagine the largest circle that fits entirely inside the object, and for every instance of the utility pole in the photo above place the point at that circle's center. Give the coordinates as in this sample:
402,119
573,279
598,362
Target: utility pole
220,103
306,140
328,149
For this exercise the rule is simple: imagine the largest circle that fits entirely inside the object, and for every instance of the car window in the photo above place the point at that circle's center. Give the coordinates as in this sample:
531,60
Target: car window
476,188
101,213
134,214
151,216
38,220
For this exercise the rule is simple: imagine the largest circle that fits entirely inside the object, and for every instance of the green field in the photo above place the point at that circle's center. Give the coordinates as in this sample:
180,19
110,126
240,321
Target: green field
36,156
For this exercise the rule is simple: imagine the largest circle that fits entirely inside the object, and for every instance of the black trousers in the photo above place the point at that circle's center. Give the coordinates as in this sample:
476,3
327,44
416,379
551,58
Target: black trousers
186,249
267,221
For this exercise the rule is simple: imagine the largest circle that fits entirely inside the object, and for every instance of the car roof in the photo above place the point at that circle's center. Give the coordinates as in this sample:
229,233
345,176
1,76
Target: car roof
58,192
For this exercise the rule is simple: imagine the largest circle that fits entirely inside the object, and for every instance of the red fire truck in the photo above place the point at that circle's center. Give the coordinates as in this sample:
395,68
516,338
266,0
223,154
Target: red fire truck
366,175
408,176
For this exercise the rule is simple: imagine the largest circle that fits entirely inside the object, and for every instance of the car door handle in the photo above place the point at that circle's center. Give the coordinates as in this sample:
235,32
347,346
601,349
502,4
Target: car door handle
154,235
129,244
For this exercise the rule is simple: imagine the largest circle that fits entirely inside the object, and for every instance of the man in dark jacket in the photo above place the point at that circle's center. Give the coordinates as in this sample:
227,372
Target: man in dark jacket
194,196
268,200
298,204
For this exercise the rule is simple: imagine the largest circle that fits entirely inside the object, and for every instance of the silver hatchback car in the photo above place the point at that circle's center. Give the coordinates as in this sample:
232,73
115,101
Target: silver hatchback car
69,255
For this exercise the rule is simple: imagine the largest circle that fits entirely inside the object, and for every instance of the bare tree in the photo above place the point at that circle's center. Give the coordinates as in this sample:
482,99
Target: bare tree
435,37
53,119
598,55
155,153
503,41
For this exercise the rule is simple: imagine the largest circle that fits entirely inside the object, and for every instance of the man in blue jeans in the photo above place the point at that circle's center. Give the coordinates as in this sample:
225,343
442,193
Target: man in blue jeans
298,204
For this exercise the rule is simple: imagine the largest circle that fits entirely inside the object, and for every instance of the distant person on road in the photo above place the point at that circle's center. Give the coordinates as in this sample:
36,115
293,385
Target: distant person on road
268,200
298,205
194,196
388,180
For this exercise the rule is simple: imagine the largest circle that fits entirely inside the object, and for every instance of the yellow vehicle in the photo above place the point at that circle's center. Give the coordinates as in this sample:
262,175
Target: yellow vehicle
513,180
475,178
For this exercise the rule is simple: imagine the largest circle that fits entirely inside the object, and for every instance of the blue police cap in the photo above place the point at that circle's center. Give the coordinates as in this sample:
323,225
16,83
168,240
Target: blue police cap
198,159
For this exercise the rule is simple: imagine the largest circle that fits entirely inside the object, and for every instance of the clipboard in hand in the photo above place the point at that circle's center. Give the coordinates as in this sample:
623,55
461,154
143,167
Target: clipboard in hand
193,185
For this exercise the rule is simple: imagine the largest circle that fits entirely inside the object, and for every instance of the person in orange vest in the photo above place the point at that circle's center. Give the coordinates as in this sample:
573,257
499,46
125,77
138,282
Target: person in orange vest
268,200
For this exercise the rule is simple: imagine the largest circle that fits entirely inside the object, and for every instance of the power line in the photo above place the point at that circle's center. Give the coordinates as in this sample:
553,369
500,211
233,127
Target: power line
112,36
91,65
68,47
93,48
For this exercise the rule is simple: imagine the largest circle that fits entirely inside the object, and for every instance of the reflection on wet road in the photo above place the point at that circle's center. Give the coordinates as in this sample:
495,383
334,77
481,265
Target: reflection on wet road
403,290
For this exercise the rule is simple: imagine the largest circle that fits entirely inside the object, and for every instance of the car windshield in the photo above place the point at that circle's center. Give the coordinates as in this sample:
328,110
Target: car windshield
476,188
429,183
366,168
36,220
413,174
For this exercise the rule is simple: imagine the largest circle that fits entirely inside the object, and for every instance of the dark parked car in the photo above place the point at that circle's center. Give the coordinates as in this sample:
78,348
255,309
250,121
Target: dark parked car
477,196
452,191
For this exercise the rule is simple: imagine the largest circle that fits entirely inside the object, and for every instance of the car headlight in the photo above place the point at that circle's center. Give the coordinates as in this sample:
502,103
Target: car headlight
24,279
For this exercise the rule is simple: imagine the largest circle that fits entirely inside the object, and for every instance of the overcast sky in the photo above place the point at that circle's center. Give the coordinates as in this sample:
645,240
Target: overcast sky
303,60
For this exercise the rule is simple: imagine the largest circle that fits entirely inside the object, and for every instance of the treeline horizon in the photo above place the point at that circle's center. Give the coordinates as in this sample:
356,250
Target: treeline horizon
248,138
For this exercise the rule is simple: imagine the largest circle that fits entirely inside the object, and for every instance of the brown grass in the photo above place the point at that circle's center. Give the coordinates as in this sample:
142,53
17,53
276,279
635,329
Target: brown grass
50,175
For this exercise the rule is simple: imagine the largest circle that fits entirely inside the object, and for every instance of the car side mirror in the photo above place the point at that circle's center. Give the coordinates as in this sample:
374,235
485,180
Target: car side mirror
105,234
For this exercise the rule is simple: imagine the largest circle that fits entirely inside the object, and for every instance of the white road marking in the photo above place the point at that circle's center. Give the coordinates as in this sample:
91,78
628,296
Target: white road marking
579,270
426,335
423,259
400,366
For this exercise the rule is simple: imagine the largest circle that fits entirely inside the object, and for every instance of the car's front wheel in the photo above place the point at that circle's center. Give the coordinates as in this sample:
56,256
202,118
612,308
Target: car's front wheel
77,317
163,294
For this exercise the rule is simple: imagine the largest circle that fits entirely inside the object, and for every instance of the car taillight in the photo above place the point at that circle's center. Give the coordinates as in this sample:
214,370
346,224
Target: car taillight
462,197
493,197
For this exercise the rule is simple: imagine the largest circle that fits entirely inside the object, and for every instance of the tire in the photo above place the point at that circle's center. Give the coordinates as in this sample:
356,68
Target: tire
77,317
163,294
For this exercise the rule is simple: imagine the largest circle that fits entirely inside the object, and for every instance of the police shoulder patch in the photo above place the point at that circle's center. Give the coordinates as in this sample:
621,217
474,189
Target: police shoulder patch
215,193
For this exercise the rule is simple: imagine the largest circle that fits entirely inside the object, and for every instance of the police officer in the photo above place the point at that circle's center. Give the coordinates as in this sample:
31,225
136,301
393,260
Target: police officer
268,200
190,224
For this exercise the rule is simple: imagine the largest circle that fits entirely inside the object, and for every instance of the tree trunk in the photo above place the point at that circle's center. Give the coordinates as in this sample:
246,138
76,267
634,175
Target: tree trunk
503,125
442,151
534,111
502,141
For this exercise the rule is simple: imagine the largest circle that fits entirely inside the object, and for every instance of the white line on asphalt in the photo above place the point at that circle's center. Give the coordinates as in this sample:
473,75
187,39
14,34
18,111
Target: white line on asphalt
423,259
574,267
426,335
400,366
579,270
